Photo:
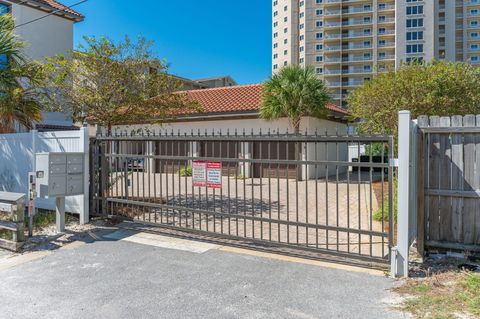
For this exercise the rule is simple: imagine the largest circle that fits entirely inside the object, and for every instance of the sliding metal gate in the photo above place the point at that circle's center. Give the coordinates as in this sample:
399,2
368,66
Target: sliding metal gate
293,191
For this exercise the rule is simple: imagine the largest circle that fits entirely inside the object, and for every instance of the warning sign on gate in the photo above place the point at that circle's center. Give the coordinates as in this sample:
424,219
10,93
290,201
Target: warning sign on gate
214,174
199,173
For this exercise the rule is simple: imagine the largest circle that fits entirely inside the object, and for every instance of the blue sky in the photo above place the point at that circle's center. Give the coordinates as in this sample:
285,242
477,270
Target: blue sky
199,38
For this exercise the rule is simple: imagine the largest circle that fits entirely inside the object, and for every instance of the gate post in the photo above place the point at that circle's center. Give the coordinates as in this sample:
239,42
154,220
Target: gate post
400,252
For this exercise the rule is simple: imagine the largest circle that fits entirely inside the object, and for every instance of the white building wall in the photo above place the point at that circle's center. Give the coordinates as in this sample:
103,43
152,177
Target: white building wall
256,126
46,37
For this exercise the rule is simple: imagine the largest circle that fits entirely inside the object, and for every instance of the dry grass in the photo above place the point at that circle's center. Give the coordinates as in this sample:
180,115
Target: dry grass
442,296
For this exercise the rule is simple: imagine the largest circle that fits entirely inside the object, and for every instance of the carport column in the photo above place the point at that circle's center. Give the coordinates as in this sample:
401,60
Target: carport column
151,161
195,151
303,156
245,153
400,253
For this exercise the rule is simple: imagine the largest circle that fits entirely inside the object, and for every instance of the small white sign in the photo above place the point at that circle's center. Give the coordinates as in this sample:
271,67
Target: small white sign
199,173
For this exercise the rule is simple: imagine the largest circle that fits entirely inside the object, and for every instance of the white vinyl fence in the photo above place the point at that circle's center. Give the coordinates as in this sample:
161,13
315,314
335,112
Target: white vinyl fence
17,159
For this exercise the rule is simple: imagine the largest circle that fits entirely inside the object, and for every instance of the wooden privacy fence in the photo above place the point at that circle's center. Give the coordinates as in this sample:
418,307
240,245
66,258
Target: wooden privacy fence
448,183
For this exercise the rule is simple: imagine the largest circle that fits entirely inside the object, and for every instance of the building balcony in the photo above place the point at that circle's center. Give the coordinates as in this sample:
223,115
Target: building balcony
350,83
386,57
386,20
353,10
387,8
386,45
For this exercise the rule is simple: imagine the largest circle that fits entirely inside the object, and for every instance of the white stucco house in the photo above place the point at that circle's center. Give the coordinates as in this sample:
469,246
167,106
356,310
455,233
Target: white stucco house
236,108
47,27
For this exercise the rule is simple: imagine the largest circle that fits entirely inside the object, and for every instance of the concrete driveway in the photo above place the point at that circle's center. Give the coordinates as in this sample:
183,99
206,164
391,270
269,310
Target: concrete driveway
127,274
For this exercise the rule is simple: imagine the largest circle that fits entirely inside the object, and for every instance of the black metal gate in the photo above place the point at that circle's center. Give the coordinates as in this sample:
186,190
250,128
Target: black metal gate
330,204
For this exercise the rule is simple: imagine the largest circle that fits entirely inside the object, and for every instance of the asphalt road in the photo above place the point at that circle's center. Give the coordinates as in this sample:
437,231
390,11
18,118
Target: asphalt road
160,278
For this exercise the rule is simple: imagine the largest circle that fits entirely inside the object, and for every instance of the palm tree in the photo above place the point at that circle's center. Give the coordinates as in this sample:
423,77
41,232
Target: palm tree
294,92
19,102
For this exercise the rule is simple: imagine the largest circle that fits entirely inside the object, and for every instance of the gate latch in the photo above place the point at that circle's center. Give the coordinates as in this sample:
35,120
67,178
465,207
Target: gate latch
393,162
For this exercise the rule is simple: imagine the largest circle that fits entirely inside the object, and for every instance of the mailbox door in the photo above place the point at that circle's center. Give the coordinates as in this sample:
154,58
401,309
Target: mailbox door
75,159
74,168
56,185
75,185
56,169
57,159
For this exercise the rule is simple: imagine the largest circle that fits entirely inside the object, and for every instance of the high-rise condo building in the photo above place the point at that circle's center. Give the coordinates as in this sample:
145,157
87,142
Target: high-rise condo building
349,41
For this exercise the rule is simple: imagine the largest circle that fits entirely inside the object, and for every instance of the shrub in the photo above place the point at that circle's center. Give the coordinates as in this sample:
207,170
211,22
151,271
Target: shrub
185,171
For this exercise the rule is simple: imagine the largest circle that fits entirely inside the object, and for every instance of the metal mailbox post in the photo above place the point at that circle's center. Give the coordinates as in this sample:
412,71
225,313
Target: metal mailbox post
60,175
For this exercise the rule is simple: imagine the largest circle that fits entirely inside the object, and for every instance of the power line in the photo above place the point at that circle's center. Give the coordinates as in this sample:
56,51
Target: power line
47,15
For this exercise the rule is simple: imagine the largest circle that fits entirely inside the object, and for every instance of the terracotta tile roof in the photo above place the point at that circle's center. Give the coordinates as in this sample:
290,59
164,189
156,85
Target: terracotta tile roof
234,99
58,6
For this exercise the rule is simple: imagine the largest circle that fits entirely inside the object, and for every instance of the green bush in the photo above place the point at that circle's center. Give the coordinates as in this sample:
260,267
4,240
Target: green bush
377,214
185,171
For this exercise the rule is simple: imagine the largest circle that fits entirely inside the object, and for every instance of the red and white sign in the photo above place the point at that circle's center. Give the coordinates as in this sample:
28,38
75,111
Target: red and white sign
214,175
199,173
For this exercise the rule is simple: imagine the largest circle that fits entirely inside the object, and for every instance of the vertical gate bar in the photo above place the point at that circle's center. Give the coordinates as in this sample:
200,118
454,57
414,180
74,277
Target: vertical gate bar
174,197
348,201
252,176
316,191
288,194
110,176
155,180
269,155
359,173
228,185
278,188
261,188
326,199
186,148
213,190
180,197
383,199
206,188
191,143
307,178
390,195
371,199
244,187
337,190
150,168
167,211
238,151
221,188
143,144
163,151
298,169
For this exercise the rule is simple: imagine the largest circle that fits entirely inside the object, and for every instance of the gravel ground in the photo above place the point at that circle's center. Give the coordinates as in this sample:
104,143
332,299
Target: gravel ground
348,204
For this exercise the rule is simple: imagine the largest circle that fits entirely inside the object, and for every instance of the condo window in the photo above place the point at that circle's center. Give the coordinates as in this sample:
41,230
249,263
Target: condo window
319,47
319,1
319,70
285,8
416,35
275,3
414,23
474,58
319,24
319,35
415,10
319,12
415,48
319,58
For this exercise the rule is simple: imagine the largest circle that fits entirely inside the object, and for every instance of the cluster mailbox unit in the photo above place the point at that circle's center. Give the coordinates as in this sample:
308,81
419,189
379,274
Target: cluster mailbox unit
59,175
